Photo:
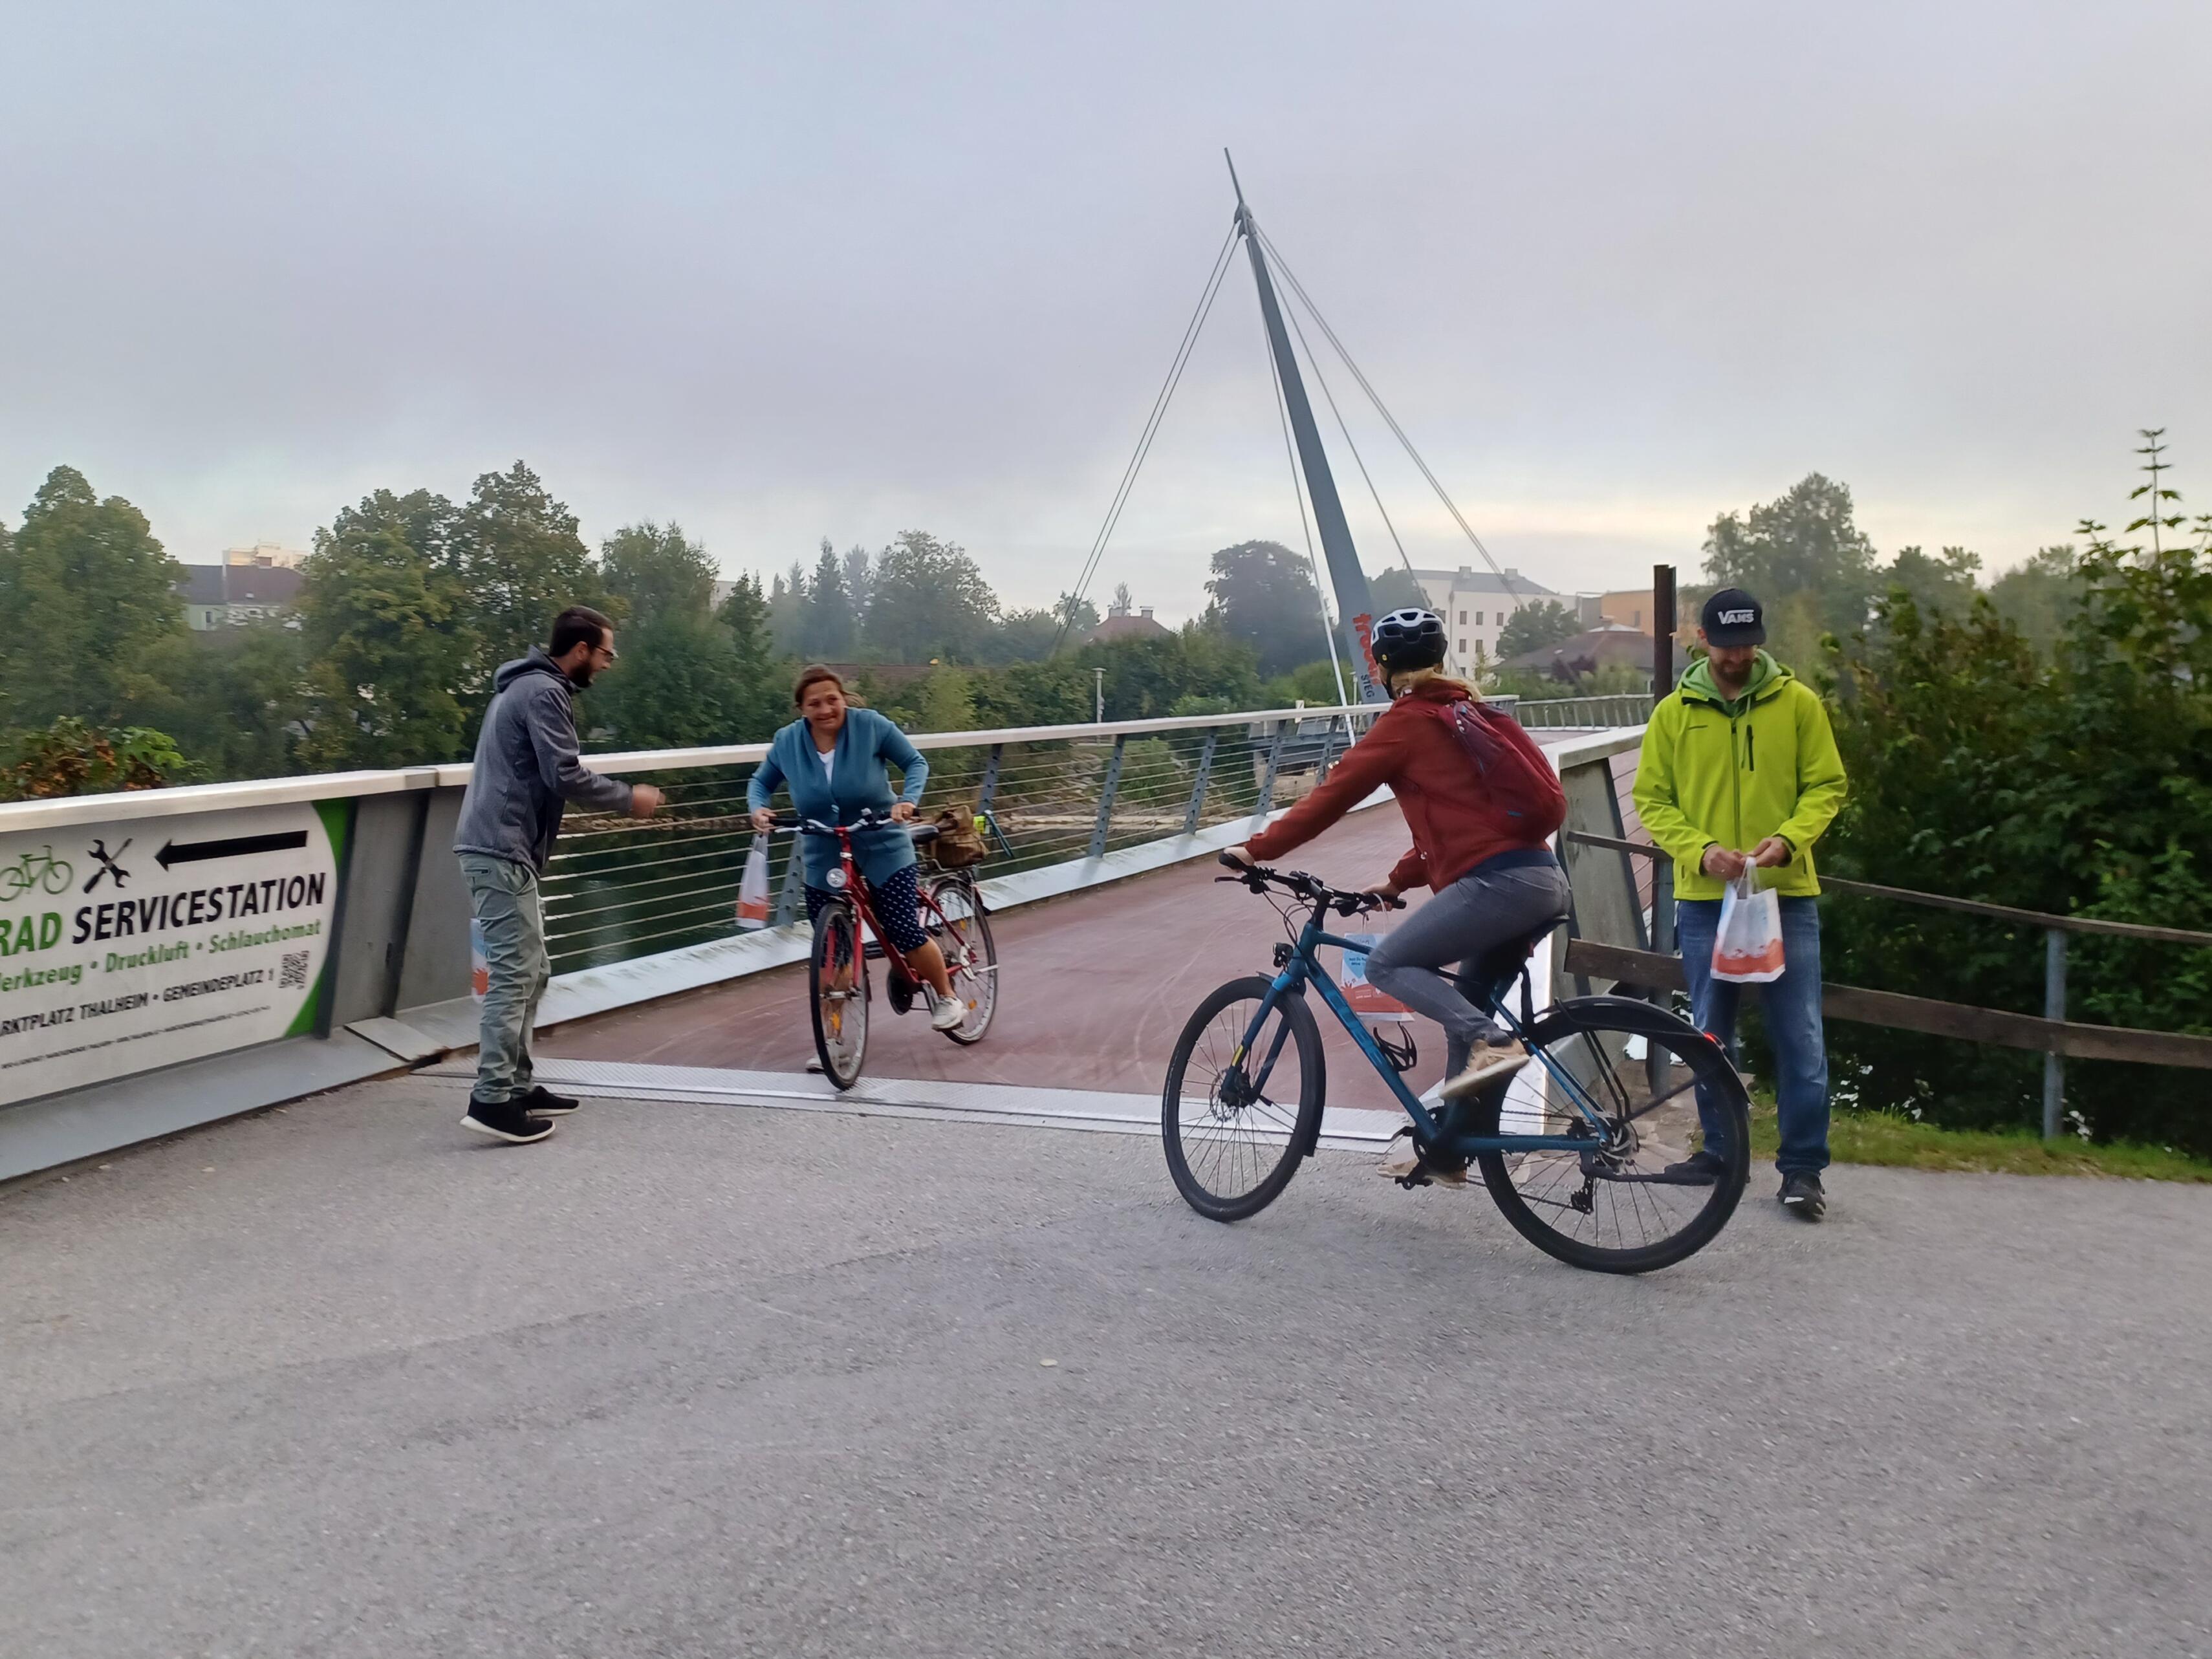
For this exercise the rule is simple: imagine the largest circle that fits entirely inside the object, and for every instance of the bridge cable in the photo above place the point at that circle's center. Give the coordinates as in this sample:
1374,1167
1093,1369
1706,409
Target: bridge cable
1212,288
1375,397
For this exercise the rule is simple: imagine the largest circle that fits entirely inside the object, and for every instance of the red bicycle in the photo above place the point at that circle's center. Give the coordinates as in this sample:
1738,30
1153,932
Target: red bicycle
951,913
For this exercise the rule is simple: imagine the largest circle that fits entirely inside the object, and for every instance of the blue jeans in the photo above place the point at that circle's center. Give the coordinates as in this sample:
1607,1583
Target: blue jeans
504,897
1792,1007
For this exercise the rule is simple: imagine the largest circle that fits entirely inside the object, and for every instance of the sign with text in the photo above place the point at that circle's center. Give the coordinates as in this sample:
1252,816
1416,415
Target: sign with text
144,942
1369,1003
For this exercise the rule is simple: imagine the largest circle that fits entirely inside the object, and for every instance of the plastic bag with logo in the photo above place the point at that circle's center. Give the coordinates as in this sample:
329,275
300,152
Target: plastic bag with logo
752,890
1748,949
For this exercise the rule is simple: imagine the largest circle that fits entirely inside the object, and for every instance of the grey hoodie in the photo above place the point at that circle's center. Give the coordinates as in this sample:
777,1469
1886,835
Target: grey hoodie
526,767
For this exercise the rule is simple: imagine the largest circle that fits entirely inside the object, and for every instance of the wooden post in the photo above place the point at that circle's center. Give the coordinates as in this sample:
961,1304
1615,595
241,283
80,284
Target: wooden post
2054,1008
1662,630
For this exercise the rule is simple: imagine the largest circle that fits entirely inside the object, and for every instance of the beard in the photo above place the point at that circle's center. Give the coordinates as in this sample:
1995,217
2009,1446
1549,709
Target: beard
580,676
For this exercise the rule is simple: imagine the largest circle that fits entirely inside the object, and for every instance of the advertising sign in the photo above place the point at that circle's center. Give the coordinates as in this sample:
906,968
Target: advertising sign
1370,1003
144,942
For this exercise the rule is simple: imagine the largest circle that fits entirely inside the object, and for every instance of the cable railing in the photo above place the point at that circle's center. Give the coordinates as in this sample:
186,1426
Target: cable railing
620,888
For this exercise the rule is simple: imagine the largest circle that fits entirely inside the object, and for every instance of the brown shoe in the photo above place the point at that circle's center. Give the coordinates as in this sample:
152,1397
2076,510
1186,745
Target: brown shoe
1490,1063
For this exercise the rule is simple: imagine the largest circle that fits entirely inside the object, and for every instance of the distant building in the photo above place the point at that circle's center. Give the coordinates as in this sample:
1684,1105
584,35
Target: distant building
235,593
1610,645
1120,624
1474,605
266,555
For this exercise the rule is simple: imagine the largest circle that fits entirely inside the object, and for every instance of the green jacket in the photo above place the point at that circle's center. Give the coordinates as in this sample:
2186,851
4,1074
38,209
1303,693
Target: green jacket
1736,773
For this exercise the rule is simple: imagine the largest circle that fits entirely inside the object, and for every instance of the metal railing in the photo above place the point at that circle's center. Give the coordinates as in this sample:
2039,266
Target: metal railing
1583,714
619,888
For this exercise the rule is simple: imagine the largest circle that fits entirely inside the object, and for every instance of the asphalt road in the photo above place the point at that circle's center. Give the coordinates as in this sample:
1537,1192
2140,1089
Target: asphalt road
721,1381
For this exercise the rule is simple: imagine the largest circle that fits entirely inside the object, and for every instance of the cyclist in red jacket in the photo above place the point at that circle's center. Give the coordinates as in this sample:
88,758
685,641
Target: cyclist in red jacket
1495,881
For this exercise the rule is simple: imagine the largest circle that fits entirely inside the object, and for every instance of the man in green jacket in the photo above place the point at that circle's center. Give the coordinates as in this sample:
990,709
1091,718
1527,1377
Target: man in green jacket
1740,767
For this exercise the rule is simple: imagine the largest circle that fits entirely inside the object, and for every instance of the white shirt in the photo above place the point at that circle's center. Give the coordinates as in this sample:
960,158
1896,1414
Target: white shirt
829,759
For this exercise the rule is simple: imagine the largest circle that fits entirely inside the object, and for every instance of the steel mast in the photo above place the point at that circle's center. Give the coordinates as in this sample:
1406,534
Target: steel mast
1354,610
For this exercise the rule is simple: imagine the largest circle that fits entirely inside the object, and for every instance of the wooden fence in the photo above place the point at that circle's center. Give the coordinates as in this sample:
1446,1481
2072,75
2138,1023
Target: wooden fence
2055,1036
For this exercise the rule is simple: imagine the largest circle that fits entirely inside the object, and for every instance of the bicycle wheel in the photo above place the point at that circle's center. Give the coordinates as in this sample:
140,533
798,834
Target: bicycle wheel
963,932
1236,1119
59,875
1611,1207
838,983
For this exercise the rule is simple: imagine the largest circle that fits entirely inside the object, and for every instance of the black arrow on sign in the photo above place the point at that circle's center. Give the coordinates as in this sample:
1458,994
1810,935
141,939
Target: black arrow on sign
238,847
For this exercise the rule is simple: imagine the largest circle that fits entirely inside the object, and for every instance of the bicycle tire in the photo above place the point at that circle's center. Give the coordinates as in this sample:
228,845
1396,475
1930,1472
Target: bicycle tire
1240,1145
1571,1032
60,873
840,1017
973,932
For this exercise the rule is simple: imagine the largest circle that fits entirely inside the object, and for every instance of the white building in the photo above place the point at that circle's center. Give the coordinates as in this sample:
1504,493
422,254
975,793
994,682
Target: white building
1474,605
265,556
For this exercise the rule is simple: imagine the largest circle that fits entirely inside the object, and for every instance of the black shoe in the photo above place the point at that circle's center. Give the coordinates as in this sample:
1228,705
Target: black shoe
542,1101
1802,1197
1700,1168
505,1120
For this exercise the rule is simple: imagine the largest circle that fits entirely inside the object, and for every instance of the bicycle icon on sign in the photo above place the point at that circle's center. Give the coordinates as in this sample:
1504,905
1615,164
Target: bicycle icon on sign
35,870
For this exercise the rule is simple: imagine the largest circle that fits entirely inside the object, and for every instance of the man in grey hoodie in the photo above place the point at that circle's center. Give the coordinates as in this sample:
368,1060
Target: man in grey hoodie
526,771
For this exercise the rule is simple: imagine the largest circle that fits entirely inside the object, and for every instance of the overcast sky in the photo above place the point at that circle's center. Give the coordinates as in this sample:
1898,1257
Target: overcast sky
779,272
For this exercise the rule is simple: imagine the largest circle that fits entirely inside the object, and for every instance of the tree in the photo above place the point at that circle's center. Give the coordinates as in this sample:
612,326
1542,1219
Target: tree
655,571
521,564
234,700
1395,589
860,581
762,702
2039,595
1123,604
1536,627
1804,543
1945,582
383,616
2074,784
88,592
930,600
828,629
1263,594
787,602
679,685
70,757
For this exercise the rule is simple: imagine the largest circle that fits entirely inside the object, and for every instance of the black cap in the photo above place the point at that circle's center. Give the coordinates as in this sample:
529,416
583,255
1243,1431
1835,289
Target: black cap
1732,617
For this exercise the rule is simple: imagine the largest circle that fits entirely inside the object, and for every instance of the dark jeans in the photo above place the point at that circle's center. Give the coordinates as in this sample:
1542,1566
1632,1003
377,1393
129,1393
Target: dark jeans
1791,1005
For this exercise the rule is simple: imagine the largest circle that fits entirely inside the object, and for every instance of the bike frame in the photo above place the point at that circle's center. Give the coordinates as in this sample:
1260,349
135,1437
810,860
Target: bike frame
862,896
1303,968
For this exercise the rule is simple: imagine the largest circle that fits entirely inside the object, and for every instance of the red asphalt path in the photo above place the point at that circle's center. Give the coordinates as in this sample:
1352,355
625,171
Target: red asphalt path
1093,988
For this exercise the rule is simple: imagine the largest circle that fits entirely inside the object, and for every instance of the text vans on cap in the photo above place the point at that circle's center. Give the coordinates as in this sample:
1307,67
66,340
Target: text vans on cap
1732,617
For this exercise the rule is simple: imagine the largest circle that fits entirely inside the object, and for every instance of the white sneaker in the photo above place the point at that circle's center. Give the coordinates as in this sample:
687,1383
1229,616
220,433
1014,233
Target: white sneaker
948,1015
1486,1065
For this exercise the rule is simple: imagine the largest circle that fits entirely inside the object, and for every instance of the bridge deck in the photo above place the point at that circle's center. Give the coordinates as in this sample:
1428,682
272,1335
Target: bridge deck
1094,989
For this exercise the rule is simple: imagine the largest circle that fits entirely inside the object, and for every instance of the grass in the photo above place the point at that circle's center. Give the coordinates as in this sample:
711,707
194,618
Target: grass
1898,1142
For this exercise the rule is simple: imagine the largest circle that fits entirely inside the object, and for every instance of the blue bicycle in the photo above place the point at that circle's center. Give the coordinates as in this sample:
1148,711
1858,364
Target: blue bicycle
1575,1147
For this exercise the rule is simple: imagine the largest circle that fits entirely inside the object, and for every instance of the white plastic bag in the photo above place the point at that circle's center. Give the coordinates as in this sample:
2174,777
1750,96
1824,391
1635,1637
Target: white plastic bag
1748,949
752,890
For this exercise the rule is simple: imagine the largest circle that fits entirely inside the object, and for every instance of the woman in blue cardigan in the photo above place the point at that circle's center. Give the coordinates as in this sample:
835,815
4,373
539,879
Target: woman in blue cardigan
833,758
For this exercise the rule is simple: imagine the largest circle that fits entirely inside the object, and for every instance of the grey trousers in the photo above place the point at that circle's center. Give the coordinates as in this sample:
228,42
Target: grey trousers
503,896
1480,910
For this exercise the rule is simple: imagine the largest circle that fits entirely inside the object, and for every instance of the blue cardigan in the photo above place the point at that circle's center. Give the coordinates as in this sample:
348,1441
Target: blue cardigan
858,781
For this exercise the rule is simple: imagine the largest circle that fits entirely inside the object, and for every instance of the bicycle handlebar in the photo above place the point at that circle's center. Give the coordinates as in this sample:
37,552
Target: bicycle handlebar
1259,877
869,819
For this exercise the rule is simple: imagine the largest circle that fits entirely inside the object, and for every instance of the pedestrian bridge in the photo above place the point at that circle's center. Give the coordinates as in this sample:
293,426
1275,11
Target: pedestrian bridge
178,957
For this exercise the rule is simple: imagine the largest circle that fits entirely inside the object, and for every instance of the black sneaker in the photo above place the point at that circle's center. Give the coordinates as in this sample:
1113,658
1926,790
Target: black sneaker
505,1120
1700,1168
542,1101
1802,1197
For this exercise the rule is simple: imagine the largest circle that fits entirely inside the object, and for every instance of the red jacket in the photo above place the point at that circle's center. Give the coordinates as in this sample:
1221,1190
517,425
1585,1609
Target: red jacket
1437,789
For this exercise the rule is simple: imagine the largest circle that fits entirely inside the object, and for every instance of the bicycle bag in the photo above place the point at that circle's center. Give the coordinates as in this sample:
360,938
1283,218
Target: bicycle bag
1523,790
